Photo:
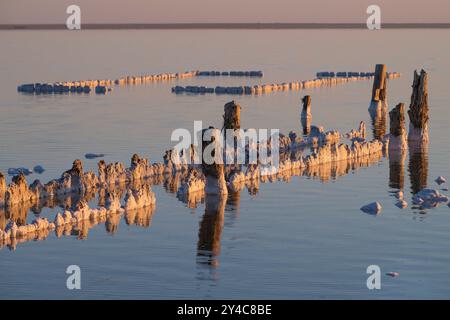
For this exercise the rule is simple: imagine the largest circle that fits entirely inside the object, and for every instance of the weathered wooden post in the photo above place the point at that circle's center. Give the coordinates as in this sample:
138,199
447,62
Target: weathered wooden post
306,115
418,132
397,147
232,116
210,231
379,84
232,123
378,103
418,109
397,136
212,164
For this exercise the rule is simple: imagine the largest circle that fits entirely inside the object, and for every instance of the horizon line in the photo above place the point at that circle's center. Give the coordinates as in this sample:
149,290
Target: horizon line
226,25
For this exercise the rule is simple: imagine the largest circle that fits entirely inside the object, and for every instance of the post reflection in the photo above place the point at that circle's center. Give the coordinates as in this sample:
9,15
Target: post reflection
397,169
210,231
378,115
418,165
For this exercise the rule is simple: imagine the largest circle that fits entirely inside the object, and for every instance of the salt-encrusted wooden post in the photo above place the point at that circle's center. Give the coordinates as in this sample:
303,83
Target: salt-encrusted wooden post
397,147
418,110
379,84
232,116
306,115
210,231
397,135
2,189
213,171
231,121
418,132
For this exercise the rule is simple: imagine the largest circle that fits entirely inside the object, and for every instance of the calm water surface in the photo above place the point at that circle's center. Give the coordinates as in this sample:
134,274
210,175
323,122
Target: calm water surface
303,239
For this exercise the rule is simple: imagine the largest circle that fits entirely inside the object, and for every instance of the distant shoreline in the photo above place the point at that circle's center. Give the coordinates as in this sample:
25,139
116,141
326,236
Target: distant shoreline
179,26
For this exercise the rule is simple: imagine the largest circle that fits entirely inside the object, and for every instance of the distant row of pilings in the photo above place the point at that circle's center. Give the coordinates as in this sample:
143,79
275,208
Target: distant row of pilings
105,85
322,79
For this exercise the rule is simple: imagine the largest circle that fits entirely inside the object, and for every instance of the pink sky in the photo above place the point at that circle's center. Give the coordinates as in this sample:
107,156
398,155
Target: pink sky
161,11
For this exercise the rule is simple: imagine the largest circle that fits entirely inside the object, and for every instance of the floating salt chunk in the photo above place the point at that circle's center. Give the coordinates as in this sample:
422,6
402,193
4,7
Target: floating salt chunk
372,208
440,180
402,204
429,198
38,169
393,274
16,171
93,155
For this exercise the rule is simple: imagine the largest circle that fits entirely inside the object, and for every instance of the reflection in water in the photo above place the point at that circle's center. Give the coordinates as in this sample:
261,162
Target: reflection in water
80,230
306,124
397,169
378,114
141,217
210,231
233,203
418,165
212,222
192,199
